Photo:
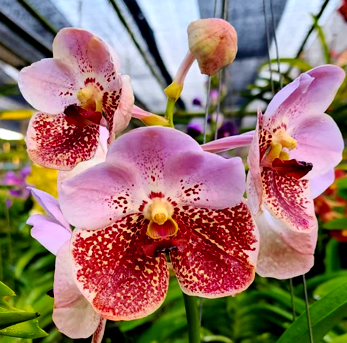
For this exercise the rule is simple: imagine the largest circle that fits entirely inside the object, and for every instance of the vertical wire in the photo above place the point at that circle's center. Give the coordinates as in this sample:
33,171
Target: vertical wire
268,46
79,9
292,298
208,102
225,8
307,310
276,44
207,107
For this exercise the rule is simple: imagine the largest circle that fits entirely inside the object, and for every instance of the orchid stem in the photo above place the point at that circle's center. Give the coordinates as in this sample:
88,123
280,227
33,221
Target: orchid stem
309,324
192,312
170,106
292,298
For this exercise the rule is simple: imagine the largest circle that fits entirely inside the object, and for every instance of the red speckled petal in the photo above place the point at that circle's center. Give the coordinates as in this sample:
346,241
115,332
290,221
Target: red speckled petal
118,106
203,179
289,200
53,143
48,85
72,314
279,258
99,332
221,252
113,272
99,157
148,149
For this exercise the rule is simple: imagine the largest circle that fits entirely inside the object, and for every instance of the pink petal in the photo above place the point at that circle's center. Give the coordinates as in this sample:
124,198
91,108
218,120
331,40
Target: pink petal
111,192
72,314
99,157
221,251
51,207
320,183
99,332
85,53
203,179
48,85
311,93
289,200
48,232
113,272
118,107
254,182
228,143
277,258
54,143
319,141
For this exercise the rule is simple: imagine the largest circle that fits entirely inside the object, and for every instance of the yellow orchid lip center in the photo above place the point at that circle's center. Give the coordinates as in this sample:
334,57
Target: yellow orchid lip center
89,98
161,224
280,140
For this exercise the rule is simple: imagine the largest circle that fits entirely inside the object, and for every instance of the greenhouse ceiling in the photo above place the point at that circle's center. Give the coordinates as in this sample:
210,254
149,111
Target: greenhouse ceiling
151,40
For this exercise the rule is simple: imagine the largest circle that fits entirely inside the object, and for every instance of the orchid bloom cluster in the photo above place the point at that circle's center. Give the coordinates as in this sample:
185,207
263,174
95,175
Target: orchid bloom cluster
154,195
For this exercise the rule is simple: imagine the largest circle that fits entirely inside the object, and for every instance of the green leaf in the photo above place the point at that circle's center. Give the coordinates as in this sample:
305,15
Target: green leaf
293,62
325,314
8,318
29,329
341,339
332,258
6,291
336,224
342,183
328,286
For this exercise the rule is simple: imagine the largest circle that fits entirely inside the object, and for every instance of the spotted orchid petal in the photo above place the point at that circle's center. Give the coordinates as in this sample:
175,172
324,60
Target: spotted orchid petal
146,163
158,191
52,142
114,273
72,314
99,332
100,156
280,258
221,245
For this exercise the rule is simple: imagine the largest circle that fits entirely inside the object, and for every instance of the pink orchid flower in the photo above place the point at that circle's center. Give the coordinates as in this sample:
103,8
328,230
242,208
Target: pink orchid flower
72,313
291,160
73,91
158,192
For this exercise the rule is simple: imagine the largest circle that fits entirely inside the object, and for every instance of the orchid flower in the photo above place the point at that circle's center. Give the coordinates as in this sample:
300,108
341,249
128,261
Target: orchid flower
291,160
76,91
72,313
158,192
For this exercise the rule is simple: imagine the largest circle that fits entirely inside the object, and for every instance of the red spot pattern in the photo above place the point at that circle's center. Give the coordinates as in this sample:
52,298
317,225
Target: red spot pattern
54,143
119,279
288,198
123,272
215,260
99,332
110,104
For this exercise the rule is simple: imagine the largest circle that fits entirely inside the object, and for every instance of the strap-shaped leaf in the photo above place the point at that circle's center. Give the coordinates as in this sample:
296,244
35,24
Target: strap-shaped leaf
325,314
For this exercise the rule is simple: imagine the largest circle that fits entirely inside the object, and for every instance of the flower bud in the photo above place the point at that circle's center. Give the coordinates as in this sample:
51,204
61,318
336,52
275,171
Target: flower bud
213,42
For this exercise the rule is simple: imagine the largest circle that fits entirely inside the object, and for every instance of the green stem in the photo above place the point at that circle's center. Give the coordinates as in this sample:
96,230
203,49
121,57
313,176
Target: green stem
192,312
170,106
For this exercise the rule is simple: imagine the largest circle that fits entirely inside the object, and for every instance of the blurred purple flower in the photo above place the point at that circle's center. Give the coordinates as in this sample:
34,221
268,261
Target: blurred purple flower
17,180
197,102
229,128
195,127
